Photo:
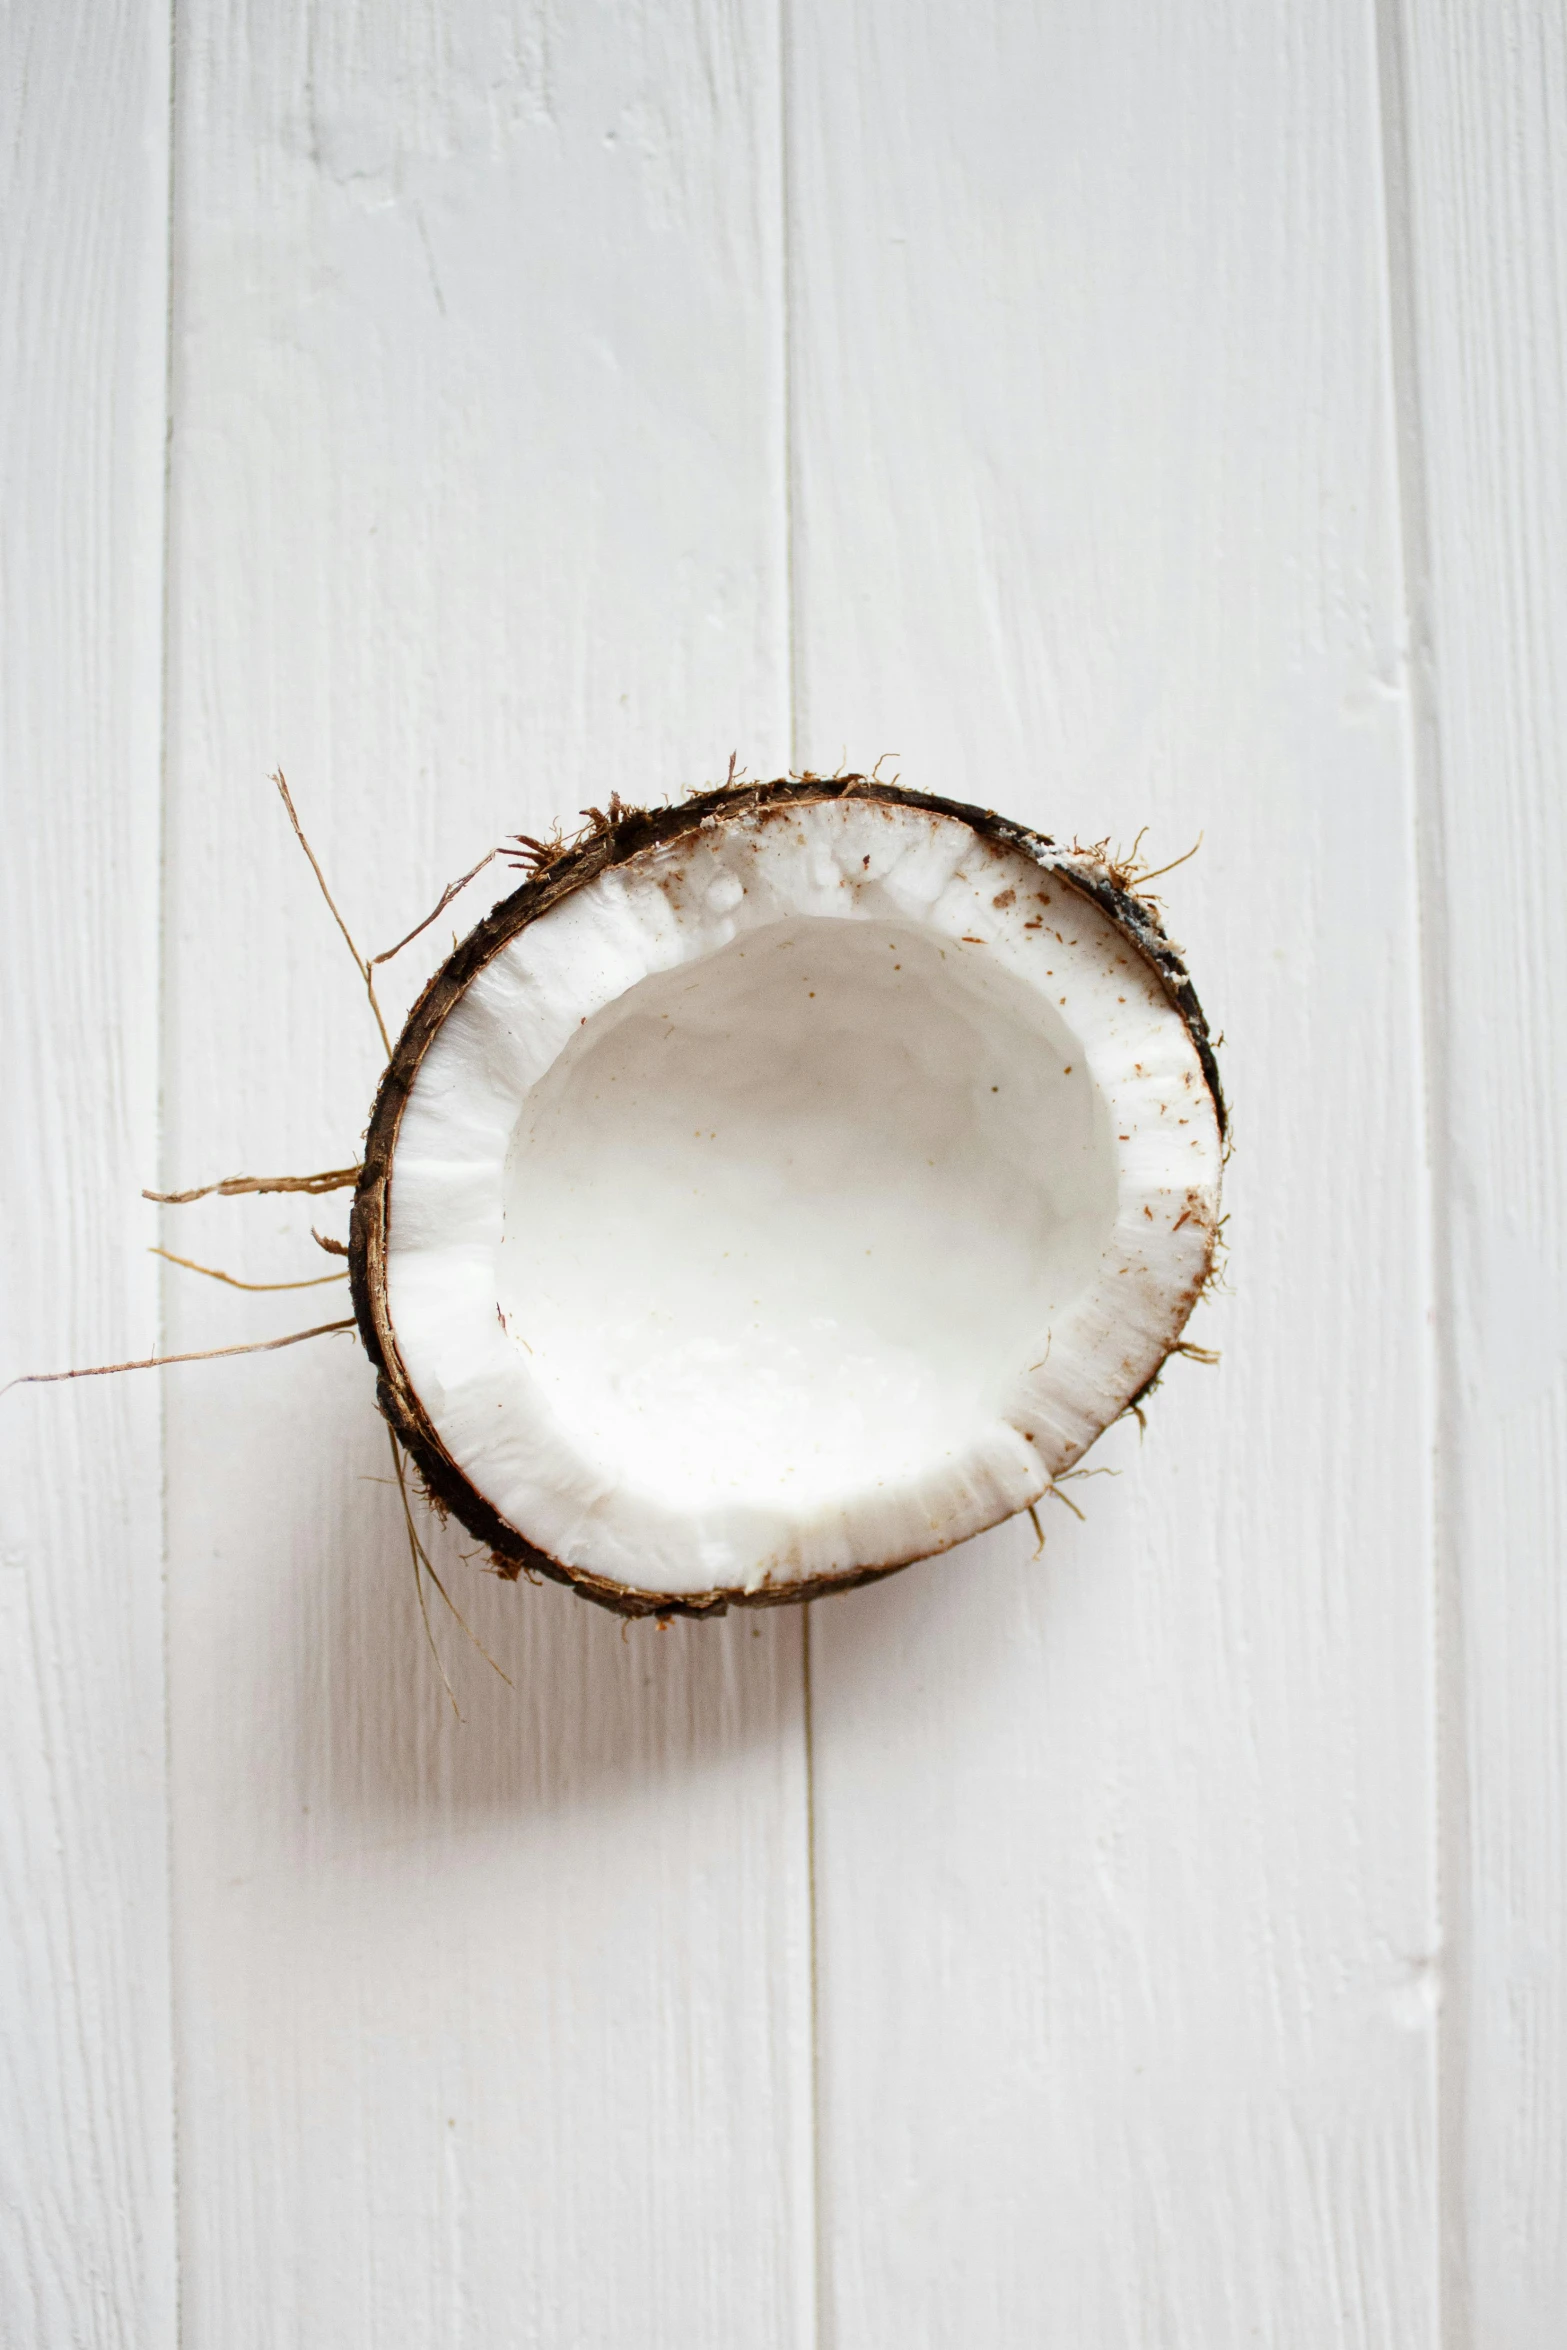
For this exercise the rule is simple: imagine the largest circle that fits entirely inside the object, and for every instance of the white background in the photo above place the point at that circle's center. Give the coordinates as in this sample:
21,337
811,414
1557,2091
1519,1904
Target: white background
1129,413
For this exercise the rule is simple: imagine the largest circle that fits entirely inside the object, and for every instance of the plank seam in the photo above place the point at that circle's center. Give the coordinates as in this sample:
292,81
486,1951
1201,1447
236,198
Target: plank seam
160,1142
817,2316
786,323
819,2306
1413,492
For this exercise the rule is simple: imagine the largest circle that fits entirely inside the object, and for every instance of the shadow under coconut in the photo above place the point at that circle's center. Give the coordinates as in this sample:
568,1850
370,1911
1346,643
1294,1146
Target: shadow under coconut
594,1708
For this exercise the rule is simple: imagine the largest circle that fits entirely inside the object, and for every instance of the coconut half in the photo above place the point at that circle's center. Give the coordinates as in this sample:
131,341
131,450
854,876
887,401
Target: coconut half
780,1188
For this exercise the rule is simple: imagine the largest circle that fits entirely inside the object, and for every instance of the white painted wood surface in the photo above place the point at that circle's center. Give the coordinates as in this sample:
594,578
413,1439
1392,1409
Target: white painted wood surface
1097,521
496,2031
1157,1942
1479,122
86,2094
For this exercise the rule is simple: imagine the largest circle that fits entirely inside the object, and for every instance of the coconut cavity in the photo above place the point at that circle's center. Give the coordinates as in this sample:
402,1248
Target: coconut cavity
781,1224
793,1198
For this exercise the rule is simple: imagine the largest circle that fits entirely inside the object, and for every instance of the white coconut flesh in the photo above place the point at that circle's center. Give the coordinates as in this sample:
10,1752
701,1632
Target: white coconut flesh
797,1197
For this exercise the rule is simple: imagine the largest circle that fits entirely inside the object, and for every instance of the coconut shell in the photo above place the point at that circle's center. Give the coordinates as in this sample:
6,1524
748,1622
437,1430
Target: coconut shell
610,840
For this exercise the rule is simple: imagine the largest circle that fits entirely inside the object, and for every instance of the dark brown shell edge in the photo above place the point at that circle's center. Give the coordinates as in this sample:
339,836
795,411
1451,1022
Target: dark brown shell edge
610,843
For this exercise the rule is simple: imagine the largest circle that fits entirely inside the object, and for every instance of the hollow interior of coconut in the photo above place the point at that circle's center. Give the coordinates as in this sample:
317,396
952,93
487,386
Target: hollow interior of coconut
795,1198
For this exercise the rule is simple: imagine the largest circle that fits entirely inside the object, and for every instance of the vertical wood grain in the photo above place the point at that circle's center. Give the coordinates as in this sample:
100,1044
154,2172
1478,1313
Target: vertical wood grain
1127,1957
1127,1944
494,2032
1477,105
86,2145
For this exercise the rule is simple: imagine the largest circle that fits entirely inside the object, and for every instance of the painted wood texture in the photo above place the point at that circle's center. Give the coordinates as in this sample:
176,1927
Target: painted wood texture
492,2031
1479,148
1126,418
1097,521
86,2097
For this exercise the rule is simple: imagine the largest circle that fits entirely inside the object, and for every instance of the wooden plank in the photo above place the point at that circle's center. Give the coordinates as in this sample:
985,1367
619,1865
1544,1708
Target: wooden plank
491,2032
86,2154
1125,1858
1477,103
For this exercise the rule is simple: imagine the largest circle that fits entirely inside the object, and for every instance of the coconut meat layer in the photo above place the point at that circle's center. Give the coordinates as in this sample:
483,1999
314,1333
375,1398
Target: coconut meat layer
798,1196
